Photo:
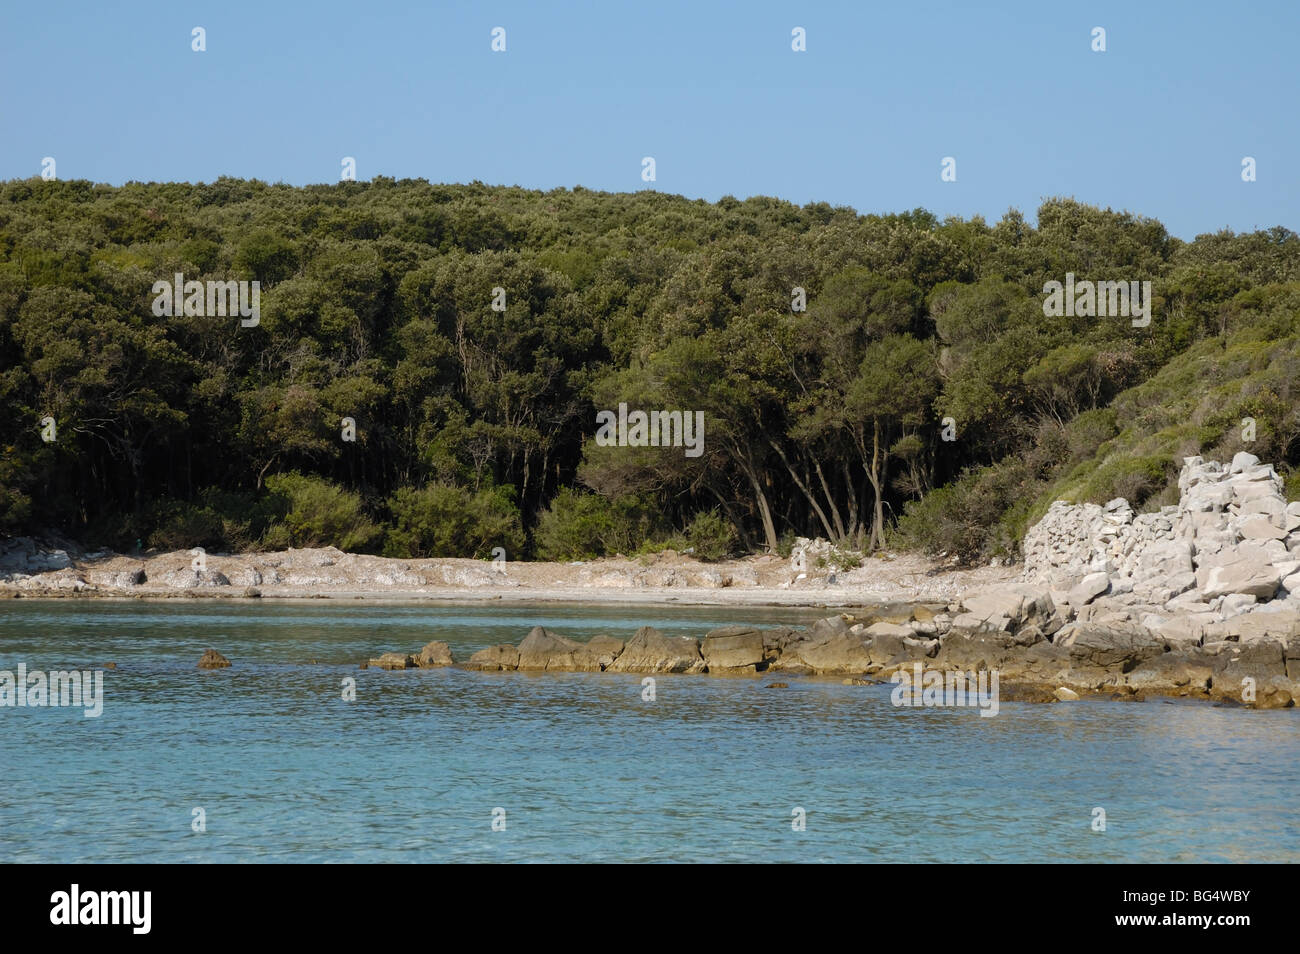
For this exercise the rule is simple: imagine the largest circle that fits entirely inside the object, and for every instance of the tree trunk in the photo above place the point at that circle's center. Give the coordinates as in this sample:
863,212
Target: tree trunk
874,475
821,515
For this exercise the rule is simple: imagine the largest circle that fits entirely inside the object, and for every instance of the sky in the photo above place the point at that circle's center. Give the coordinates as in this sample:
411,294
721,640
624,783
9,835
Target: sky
1014,92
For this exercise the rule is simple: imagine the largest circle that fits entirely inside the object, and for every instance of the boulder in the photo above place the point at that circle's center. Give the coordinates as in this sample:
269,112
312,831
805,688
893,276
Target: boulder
597,654
1250,627
972,623
542,649
1163,560
877,630
1118,647
1089,588
1260,528
1016,603
213,660
841,653
1291,658
1242,461
651,651
775,640
975,651
1247,573
1262,660
502,658
1291,516
434,655
393,661
1186,629
893,612
732,649
824,629
1272,508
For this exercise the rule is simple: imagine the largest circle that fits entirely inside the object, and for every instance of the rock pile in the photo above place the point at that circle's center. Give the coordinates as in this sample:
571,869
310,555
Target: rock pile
1230,548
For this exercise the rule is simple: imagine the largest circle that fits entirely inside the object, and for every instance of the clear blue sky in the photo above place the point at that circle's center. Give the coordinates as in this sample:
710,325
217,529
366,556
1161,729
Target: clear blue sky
1158,124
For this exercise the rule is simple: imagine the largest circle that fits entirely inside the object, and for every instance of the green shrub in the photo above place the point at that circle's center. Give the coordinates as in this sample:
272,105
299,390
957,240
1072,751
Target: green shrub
180,525
712,535
580,526
965,519
785,544
316,513
442,520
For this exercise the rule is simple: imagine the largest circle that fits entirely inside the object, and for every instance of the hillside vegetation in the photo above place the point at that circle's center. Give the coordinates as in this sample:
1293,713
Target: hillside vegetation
921,399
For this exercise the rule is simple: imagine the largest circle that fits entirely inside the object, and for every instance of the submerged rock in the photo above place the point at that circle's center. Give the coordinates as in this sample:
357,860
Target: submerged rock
213,660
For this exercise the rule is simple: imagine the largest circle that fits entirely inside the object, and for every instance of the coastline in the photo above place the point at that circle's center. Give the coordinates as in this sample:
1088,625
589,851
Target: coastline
893,612
327,573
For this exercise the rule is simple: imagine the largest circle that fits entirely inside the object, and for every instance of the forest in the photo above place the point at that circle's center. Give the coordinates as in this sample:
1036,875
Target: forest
428,363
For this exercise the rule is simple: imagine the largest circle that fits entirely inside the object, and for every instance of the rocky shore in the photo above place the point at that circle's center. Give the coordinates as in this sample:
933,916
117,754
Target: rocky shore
1039,658
1198,600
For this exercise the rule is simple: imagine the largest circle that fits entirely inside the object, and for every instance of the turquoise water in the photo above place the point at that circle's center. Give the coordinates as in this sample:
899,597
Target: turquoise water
711,770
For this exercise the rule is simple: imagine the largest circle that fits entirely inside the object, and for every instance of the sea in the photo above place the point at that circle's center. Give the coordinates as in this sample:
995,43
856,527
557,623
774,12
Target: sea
296,754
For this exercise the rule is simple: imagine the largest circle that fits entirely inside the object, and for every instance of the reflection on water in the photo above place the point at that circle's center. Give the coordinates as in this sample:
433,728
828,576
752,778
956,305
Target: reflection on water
285,770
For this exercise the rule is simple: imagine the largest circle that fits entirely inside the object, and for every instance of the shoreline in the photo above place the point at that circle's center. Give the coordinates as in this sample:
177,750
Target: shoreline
28,571
889,613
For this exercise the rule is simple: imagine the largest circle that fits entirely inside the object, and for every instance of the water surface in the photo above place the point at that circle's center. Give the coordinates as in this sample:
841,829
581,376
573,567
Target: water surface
711,770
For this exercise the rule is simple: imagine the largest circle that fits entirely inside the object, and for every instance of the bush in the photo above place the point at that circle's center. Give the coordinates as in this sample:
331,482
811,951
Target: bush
578,526
180,525
316,513
978,515
712,536
442,520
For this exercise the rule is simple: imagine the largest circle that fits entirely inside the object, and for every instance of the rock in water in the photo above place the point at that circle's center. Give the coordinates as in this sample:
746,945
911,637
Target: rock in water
542,649
733,649
651,651
393,661
213,660
502,658
434,655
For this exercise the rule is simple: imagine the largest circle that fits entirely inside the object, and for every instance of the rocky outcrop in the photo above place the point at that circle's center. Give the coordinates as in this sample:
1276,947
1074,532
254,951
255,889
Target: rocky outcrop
651,651
1232,534
735,649
434,655
1039,656
542,649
